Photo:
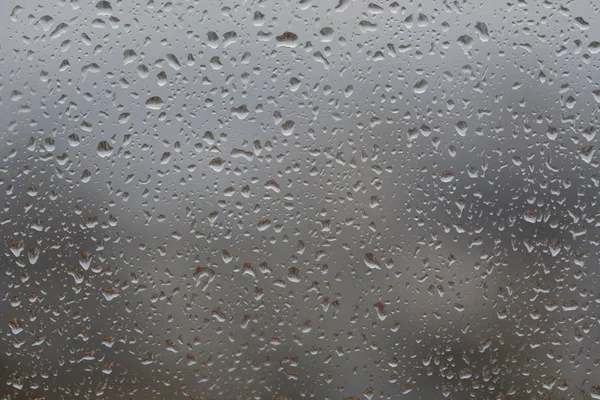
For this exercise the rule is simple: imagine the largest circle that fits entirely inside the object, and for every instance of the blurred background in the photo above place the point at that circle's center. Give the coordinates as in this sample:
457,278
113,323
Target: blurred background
299,199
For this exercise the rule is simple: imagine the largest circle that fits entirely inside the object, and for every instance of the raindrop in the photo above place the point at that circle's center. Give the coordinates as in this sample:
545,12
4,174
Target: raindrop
104,149
154,103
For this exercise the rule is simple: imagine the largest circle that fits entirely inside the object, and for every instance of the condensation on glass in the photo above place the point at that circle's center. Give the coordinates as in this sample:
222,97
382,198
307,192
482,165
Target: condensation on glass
299,199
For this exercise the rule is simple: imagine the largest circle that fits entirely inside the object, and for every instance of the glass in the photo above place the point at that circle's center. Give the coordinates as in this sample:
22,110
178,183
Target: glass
308,199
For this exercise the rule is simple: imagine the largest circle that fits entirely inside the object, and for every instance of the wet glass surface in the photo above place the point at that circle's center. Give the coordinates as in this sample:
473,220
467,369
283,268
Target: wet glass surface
308,199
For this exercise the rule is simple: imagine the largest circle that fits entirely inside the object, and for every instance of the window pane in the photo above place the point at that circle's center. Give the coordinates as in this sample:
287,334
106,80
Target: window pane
307,199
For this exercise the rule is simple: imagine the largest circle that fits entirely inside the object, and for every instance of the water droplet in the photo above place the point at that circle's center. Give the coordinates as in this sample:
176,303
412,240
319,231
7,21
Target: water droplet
447,176
217,164
17,246
104,149
154,103
420,87
371,261
465,42
461,128
85,259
